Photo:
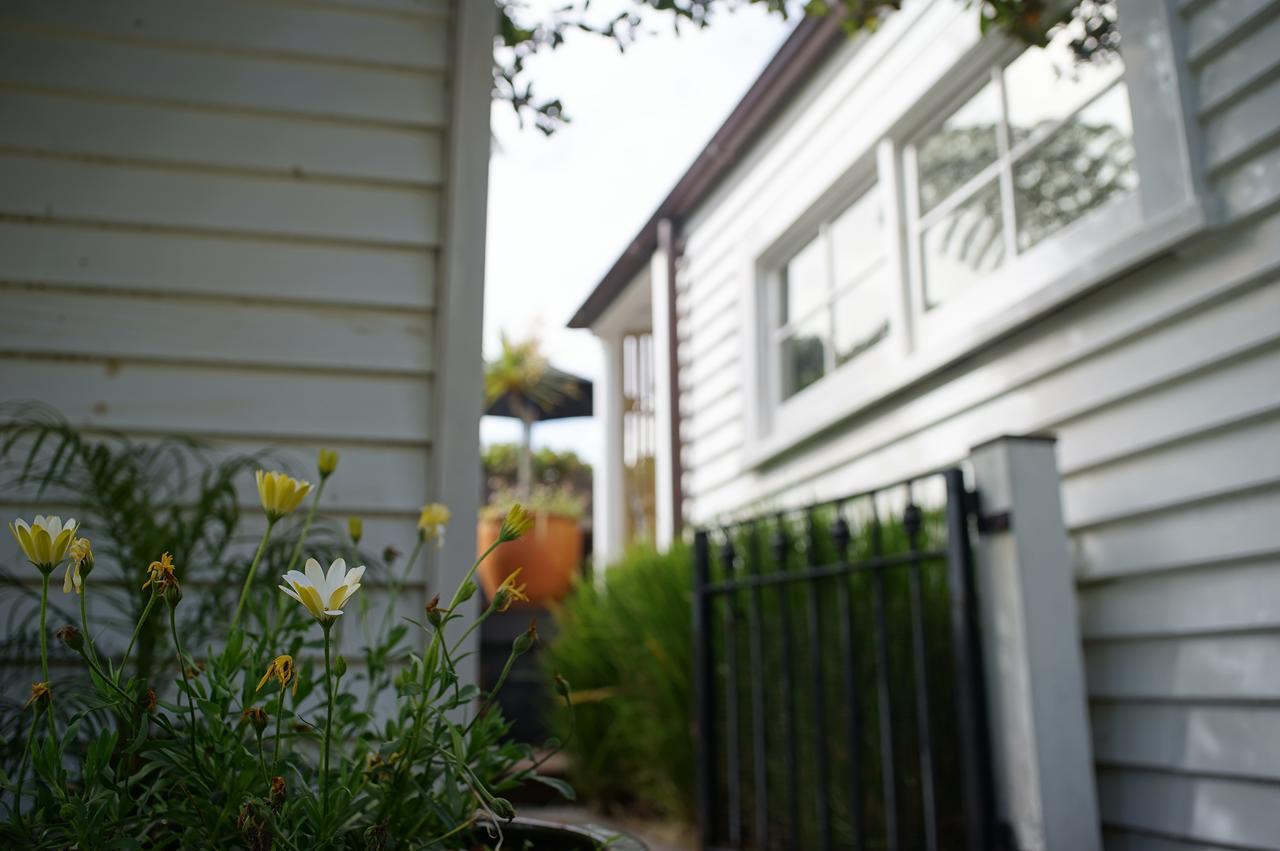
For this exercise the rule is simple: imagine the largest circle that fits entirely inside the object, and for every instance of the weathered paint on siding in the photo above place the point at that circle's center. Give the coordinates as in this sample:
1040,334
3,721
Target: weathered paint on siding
1164,390
223,220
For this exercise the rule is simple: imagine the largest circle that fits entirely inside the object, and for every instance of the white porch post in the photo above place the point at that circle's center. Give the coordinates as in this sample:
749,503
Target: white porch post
663,414
1041,748
607,480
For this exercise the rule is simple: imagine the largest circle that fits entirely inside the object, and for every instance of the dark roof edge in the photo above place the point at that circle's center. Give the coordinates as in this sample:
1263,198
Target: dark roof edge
808,45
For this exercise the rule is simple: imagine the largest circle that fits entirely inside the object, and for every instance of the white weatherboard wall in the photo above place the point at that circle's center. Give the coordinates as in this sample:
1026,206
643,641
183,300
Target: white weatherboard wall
1163,387
231,221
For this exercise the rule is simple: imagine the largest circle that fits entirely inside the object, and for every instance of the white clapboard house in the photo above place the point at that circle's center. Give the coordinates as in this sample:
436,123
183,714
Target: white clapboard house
255,223
904,245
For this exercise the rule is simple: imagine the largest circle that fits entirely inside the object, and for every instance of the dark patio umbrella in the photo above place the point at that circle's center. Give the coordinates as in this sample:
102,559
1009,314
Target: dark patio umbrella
574,400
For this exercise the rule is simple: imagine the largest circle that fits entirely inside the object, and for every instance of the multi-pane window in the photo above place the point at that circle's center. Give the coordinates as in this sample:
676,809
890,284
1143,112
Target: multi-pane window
835,295
1043,141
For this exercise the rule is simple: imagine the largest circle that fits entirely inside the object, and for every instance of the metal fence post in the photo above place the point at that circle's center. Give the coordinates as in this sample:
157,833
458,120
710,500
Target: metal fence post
705,687
1041,748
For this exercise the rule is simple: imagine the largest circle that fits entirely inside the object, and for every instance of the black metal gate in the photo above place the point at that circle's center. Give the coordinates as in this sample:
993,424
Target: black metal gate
839,686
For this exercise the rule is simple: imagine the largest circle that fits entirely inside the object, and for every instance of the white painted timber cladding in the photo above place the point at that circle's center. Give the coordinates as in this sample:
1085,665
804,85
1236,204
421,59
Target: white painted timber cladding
1164,390
221,220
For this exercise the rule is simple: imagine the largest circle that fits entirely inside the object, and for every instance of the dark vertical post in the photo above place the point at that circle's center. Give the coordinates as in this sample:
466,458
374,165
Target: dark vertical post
732,739
970,697
822,786
849,672
759,730
912,521
884,703
781,551
705,685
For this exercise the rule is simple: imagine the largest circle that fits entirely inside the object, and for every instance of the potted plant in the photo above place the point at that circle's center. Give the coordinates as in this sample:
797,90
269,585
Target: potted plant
545,561
257,743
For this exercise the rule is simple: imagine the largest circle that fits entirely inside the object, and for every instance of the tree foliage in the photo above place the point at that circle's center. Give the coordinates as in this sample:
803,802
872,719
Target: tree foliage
523,34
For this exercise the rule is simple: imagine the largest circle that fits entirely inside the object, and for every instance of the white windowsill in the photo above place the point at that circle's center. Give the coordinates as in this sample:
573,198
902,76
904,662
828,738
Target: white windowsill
882,372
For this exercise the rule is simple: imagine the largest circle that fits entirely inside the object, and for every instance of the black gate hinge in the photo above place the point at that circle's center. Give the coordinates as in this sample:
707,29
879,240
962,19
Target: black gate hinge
1000,521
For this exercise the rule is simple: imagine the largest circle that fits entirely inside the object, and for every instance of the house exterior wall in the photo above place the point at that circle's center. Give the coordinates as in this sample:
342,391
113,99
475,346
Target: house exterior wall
1161,381
255,224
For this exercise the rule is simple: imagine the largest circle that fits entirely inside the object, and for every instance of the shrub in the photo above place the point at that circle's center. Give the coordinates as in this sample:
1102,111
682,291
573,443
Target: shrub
626,645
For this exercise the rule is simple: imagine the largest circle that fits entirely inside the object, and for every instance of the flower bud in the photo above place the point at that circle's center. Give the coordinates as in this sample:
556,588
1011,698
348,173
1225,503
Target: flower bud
355,528
524,641
516,523
255,716
327,462
390,554
467,591
562,687
71,637
340,667
503,809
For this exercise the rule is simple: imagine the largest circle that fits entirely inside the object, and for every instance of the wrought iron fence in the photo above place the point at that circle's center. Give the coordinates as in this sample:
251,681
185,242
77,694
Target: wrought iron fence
839,684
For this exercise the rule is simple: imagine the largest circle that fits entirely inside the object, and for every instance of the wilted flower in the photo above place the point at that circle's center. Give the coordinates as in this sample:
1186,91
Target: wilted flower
255,716
160,573
562,686
149,700
284,672
432,521
280,494
70,636
355,528
194,671
254,825
39,692
509,592
46,541
327,462
279,793
515,524
81,564
323,595
435,614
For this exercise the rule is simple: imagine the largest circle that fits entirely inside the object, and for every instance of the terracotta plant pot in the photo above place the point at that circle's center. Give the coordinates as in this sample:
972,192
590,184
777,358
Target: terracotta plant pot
548,556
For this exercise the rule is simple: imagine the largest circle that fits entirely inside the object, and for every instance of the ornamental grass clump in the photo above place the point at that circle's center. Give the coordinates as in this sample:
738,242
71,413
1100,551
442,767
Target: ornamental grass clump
262,740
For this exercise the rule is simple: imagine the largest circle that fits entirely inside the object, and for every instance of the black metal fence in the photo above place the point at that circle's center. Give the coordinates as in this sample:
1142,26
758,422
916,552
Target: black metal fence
839,684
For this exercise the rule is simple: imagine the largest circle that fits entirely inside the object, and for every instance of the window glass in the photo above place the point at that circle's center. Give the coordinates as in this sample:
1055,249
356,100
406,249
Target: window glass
861,317
857,239
804,358
1045,85
804,284
1083,165
964,145
965,245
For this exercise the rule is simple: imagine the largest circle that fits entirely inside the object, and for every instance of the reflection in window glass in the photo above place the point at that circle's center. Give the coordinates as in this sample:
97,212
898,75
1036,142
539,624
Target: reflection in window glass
804,283
964,145
964,245
804,358
861,318
1045,85
857,239
1083,165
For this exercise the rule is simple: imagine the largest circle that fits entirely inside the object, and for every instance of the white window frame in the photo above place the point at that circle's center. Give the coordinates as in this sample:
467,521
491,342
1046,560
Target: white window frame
1168,207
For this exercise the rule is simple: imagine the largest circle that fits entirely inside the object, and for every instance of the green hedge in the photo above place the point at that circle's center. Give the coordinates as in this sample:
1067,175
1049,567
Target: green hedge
627,650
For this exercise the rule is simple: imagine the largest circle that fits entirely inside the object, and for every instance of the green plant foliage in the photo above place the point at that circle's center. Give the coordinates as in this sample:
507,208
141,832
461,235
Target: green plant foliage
635,710
626,646
249,732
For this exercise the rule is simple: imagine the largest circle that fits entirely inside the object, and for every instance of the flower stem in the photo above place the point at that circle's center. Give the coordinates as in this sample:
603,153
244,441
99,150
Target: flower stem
22,766
275,746
44,653
182,678
84,625
396,585
328,721
146,610
253,568
306,528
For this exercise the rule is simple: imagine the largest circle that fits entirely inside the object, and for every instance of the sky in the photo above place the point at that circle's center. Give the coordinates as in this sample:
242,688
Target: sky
561,209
